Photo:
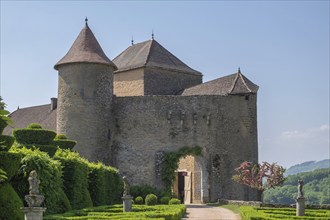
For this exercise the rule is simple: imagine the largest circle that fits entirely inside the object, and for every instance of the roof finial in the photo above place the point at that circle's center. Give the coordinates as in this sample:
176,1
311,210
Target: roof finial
152,34
239,70
132,40
86,19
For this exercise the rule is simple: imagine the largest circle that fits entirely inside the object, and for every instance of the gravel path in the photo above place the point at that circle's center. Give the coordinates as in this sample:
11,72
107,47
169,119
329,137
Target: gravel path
204,212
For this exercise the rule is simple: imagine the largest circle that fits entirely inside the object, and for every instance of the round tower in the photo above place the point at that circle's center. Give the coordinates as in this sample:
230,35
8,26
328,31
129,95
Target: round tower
85,91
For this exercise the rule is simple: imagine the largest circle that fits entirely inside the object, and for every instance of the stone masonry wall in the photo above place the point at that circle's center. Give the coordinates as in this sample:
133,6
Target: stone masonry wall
129,83
224,126
165,82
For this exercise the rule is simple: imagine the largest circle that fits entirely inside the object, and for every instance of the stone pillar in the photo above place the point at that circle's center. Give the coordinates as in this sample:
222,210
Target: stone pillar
300,206
127,203
33,213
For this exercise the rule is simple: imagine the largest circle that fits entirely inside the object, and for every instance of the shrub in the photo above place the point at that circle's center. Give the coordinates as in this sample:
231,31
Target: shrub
34,136
34,126
174,201
64,144
138,200
10,203
10,162
143,190
151,199
49,173
60,137
6,142
75,176
114,185
165,200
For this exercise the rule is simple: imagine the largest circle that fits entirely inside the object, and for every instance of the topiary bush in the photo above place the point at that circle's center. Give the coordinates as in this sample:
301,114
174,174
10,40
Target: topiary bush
34,126
10,203
62,141
151,199
164,200
49,173
60,137
10,162
174,201
138,200
75,176
6,142
34,136
142,190
114,185
64,144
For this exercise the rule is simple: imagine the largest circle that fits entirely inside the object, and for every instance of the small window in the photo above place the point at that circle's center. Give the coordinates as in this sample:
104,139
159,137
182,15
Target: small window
247,98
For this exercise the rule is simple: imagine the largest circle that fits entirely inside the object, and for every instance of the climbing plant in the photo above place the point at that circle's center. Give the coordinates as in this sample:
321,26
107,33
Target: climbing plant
171,163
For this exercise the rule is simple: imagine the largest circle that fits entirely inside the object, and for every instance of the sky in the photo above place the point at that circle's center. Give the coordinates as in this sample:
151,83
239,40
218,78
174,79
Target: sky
282,46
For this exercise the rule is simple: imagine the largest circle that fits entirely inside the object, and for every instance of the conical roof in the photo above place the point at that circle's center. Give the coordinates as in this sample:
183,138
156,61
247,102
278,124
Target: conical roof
232,84
85,49
150,54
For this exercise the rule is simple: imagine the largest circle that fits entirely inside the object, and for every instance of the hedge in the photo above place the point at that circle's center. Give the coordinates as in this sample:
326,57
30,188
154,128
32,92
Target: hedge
75,177
10,162
49,173
6,142
151,199
114,185
64,144
10,203
34,136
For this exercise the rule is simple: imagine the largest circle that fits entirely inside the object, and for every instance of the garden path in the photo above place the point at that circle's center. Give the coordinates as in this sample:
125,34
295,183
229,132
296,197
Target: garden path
205,212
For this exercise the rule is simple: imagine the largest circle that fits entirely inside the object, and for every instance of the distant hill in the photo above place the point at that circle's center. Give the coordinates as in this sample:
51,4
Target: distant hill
308,166
316,188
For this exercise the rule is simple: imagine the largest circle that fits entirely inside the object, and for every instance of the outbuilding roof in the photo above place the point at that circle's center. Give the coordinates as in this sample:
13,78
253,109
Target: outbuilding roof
232,84
150,54
85,49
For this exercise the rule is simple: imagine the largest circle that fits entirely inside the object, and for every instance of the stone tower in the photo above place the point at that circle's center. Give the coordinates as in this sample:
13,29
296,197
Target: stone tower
85,92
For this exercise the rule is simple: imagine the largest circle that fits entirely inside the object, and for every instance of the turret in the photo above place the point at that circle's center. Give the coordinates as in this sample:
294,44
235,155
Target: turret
85,91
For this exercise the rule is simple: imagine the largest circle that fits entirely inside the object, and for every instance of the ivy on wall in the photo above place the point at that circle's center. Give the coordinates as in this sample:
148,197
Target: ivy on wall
171,163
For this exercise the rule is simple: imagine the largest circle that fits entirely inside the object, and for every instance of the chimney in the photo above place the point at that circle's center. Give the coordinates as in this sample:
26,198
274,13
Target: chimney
53,103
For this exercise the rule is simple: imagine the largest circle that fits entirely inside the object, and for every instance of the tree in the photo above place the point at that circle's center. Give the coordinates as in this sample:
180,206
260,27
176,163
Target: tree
259,176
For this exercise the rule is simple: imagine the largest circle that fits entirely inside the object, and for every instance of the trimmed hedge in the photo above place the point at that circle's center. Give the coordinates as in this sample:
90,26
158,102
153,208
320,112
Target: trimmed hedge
174,201
165,200
34,136
142,190
10,162
34,126
64,144
6,142
75,176
49,173
138,200
61,137
10,203
151,199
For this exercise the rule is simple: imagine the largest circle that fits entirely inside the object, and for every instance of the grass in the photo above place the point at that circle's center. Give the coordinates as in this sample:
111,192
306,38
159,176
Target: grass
256,213
115,212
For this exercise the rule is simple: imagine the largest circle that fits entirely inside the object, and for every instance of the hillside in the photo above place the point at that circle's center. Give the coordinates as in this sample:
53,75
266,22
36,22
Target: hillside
308,166
316,188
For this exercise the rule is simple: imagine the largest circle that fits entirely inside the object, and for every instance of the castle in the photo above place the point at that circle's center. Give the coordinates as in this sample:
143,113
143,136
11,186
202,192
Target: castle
129,111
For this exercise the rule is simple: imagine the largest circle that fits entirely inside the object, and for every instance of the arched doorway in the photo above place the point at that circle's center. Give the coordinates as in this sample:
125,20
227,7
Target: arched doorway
189,180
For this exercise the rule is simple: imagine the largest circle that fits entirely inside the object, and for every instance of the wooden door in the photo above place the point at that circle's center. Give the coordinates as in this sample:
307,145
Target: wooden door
187,188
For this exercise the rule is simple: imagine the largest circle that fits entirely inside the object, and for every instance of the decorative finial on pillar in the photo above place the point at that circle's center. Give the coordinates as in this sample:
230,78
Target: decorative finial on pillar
152,34
86,19
239,70
132,40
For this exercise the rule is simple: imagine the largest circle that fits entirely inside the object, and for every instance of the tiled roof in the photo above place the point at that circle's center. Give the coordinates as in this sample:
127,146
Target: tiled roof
37,114
85,49
150,54
232,84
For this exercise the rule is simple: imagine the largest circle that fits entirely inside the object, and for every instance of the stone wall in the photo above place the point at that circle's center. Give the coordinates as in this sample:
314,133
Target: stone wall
129,83
84,108
159,81
224,126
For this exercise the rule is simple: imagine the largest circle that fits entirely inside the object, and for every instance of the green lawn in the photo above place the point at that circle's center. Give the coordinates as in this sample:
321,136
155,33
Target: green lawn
115,212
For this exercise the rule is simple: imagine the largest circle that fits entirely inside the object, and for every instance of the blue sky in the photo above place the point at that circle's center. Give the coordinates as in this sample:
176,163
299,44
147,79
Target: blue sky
283,46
